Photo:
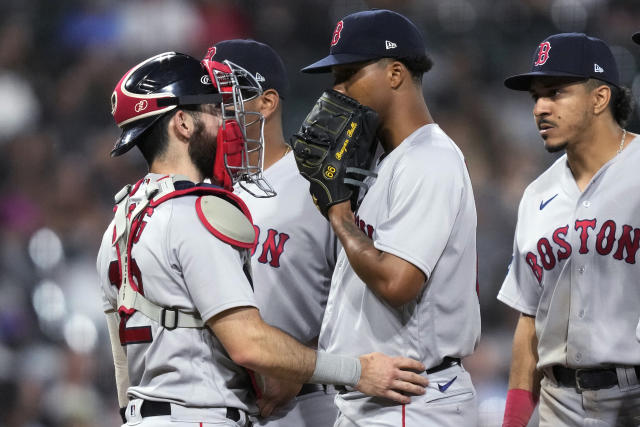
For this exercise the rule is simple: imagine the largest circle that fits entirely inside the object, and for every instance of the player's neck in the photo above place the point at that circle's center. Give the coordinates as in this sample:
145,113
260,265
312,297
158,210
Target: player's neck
176,167
404,119
587,155
275,146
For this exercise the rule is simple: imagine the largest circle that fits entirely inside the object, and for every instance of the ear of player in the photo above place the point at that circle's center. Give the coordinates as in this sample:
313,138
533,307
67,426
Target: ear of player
334,149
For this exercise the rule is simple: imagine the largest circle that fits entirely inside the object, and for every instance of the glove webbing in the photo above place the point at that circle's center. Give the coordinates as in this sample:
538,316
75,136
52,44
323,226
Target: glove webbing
129,299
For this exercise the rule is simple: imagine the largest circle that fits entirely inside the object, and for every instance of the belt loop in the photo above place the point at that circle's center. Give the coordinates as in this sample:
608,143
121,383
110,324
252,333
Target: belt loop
627,377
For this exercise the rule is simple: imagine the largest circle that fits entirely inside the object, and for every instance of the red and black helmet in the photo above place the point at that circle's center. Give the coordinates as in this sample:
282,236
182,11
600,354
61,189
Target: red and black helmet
154,87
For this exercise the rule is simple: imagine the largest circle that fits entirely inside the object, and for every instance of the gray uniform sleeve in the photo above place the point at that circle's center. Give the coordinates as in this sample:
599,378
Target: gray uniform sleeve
422,208
520,289
213,271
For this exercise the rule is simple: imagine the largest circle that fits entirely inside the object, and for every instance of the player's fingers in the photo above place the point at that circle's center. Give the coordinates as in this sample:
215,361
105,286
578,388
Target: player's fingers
395,396
413,378
407,387
266,407
406,363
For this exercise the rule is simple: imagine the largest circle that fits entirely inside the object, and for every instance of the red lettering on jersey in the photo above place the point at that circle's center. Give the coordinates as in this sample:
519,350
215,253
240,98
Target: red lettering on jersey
546,254
135,335
626,243
543,53
558,238
370,231
584,225
606,237
366,228
336,33
271,247
532,260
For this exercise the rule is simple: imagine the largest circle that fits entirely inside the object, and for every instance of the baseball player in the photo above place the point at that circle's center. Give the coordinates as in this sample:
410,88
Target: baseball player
574,275
405,280
174,263
295,252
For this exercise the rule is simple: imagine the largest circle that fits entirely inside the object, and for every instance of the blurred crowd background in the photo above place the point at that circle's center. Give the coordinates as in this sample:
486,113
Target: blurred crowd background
59,63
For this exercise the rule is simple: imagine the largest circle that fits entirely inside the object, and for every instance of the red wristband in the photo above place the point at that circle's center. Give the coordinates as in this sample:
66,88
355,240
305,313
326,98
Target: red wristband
519,407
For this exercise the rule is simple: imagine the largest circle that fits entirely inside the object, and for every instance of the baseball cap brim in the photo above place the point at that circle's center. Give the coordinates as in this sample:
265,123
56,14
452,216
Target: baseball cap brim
523,81
324,65
636,38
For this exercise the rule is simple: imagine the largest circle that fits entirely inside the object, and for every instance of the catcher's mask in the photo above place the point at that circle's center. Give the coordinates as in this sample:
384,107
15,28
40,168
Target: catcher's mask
163,83
239,159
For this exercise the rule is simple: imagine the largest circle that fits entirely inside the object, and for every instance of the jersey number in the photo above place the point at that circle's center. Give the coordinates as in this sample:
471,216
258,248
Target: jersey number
138,334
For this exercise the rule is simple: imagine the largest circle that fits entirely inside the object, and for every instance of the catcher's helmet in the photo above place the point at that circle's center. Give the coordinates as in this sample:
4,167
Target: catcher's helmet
154,87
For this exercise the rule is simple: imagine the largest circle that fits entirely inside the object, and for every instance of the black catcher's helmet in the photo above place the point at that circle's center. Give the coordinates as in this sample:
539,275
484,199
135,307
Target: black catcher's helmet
154,87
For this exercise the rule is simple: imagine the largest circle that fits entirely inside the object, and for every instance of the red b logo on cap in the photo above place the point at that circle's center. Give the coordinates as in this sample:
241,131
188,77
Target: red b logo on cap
336,34
543,53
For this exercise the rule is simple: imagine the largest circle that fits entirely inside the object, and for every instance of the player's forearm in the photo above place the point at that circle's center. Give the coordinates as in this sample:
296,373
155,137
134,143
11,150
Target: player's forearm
370,264
523,374
255,345
276,354
524,379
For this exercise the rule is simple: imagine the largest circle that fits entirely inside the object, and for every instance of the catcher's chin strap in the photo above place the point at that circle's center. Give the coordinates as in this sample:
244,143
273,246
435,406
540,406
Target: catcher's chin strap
129,298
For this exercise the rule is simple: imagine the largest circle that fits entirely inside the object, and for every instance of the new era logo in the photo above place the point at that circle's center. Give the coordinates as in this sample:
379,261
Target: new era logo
390,45
597,68
260,77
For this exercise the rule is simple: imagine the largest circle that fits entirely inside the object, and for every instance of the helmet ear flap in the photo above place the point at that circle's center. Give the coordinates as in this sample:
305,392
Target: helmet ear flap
230,154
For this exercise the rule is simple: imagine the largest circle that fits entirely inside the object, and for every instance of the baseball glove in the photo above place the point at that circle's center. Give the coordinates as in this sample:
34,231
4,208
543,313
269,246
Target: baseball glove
334,149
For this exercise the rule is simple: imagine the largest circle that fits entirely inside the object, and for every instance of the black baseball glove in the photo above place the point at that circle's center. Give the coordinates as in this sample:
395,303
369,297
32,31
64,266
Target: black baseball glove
334,149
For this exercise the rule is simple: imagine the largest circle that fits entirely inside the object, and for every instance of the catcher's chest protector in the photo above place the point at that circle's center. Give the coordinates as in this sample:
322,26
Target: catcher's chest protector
222,213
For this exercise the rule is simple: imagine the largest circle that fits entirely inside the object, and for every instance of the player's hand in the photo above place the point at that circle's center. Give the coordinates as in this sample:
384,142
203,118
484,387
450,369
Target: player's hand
276,393
389,377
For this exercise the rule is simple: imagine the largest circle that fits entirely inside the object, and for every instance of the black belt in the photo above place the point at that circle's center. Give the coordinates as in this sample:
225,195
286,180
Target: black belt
151,408
447,362
587,379
311,388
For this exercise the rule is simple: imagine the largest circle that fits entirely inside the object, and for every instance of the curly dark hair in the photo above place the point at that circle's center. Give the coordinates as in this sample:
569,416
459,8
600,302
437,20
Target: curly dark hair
417,65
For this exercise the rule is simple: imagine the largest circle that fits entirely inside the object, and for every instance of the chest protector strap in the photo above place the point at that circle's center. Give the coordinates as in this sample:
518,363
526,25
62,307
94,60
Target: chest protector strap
126,224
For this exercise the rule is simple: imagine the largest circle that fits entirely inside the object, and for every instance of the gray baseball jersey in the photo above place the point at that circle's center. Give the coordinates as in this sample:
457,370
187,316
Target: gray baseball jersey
574,264
295,254
292,265
178,263
421,209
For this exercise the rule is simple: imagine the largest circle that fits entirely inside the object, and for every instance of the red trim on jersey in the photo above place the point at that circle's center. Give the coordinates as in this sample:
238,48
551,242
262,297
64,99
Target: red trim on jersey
215,191
403,415
217,233
164,177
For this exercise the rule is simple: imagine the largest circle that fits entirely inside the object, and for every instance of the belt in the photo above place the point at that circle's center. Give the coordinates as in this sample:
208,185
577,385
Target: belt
447,362
311,388
152,408
587,379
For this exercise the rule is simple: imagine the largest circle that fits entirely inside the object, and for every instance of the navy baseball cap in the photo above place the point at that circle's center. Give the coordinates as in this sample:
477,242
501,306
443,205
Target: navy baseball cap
569,55
257,58
372,34
636,38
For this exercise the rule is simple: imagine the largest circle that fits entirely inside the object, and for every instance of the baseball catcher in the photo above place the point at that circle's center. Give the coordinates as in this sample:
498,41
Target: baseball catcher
334,149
